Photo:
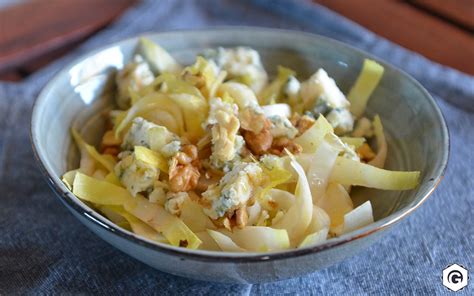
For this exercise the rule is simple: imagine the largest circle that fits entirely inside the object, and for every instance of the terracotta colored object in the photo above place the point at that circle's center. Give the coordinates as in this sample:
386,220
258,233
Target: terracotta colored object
459,12
34,32
440,30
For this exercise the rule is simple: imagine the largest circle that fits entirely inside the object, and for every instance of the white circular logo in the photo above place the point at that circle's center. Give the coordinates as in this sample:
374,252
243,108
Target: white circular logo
455,277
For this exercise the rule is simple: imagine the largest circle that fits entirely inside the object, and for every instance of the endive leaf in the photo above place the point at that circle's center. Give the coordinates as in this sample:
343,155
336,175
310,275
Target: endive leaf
314,238
365,84
149,107
312,138
99,192
105,193
208,243
107,161
353,141
350,172
336,203
172,228
358,218
275,176
271,93
193,216
298,217
379,159
261,238
224,242
160,60
195,110
320,168
175,85
151,157
68,178
241,94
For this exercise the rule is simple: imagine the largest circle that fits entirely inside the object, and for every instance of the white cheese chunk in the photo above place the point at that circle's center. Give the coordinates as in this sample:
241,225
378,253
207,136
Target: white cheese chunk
243,64
282,127
322,87
174,202
153,136
341,120
233,190
135,175
224,126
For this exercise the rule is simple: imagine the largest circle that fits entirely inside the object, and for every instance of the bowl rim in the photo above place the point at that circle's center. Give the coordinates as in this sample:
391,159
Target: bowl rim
74,204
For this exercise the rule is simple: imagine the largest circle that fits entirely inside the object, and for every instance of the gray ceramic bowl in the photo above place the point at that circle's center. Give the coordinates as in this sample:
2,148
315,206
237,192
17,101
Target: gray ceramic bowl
417,136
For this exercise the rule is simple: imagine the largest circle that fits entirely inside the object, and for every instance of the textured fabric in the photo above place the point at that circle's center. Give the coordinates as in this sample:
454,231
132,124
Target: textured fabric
44,249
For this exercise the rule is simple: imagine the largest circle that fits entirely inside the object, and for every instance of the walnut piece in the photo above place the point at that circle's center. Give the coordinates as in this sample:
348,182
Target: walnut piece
114,151
241,217
109,139
261,142
110,144
302,123
365,152
185,178
184,169
279,145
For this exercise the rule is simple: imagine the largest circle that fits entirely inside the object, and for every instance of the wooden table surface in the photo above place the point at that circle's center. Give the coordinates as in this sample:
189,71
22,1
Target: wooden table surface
35,32
441,30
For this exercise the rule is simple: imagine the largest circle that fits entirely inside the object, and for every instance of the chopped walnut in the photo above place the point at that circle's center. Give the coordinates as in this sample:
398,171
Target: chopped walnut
225,222
184,169
114,151
110,144
207,180
365,152
184,178
195,197
191,151
251,120
261,142
272,204
204,142
183,158
302,123
109,139
294,118
241,217
109,116
279,145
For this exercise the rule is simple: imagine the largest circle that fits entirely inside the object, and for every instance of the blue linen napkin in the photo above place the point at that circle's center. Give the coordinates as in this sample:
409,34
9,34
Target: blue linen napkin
44,249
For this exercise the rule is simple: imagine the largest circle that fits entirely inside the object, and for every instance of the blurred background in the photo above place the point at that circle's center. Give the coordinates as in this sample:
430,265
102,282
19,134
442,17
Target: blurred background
33,33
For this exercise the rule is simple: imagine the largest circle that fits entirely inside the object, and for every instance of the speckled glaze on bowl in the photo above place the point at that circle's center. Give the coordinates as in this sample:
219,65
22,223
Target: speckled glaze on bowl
416,132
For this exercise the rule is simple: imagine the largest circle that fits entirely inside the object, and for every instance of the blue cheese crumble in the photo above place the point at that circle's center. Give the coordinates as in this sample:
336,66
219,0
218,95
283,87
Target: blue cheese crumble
242,64
292,89
174,202
233,190
153,136
135,175
282,127
321,94
224,124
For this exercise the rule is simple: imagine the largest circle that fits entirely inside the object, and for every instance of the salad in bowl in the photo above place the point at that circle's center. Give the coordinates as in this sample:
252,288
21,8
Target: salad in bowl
217,155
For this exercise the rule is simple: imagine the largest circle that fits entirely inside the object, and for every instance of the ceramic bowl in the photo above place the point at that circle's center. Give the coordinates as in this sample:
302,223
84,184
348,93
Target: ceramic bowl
416,132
